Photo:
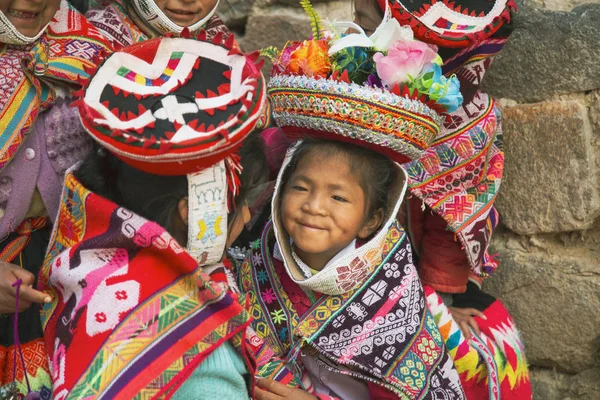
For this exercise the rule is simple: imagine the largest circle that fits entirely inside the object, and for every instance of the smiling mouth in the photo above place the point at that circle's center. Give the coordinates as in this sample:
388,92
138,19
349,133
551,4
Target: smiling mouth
316,228
182,13
23,14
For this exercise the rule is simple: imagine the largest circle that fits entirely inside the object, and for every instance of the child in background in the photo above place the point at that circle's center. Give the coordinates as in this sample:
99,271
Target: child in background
450,211
144,218
125,22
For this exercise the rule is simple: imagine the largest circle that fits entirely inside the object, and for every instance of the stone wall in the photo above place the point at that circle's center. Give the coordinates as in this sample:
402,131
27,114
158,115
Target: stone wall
548,80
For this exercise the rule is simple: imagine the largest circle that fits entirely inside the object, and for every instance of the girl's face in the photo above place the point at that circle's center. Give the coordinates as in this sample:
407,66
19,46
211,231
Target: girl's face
323,208
186,12
29,17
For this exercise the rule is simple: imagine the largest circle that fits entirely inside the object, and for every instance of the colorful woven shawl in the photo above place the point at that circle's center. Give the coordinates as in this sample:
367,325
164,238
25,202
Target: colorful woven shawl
459,175
29,74
132,314
381,332
492,365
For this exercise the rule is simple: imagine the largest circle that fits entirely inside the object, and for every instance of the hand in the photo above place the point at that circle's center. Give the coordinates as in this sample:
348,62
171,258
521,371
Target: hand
464,319
268,389
9,274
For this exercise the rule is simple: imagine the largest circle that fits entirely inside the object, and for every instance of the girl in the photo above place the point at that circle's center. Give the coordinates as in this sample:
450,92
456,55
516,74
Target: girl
451,222
333,289
325,227
125,22
44,46
142,221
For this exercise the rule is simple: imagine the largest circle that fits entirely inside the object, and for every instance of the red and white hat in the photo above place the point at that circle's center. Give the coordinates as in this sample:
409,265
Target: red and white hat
173,106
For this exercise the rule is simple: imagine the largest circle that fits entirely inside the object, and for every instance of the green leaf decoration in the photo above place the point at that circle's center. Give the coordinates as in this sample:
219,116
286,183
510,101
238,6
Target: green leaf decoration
315,20
270,52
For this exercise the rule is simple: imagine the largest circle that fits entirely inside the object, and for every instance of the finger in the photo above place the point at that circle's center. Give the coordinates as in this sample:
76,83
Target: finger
27,277
273,386
474,312
481,315
474,325
464,327
33,296
260,394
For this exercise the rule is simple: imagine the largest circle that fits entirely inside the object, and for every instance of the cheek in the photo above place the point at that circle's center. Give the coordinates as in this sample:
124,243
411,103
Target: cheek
350,220
50,10
208,5
4,4
286,207
162,4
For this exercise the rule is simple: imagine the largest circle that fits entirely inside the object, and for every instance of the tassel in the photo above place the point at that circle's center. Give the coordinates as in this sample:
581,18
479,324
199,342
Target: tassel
234,169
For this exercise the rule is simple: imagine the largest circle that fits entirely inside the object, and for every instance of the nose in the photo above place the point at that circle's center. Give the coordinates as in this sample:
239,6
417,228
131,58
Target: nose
315,204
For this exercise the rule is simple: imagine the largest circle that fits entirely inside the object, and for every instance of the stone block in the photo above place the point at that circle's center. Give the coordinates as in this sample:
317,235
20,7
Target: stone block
275,29
549,53
235,12
552,385
552,290
550,182
561,5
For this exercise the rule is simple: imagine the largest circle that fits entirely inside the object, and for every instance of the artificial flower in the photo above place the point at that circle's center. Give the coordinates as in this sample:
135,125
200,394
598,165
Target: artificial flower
282,62
442,90
390,32
358,61
311,58
431,74
374,81
404,60
452,98
386,34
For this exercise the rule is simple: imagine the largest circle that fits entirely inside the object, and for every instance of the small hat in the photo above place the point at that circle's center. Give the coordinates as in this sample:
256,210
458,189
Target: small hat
452,23
174,106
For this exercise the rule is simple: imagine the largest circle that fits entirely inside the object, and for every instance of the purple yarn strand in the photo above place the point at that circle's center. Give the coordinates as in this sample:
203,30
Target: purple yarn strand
16,338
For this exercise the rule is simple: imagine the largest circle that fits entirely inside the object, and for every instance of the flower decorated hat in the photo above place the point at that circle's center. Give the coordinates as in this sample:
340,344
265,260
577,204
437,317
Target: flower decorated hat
385,92
181,106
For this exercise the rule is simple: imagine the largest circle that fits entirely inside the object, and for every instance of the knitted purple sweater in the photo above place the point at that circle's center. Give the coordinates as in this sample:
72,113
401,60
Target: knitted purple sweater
57,141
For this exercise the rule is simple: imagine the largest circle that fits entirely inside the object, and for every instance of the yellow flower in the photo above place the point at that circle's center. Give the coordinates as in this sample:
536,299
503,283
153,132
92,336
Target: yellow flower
311,59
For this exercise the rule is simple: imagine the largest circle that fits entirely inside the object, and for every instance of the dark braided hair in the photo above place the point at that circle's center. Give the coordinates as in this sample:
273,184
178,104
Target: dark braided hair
156,197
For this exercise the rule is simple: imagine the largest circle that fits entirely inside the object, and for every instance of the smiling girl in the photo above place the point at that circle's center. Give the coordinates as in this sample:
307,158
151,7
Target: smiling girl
338,306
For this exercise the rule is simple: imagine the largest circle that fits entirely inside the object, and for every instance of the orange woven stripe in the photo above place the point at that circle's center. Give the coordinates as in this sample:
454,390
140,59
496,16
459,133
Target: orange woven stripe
16,246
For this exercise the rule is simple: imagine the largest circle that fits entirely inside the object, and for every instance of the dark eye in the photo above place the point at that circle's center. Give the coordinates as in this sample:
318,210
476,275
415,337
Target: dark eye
299,188
339,198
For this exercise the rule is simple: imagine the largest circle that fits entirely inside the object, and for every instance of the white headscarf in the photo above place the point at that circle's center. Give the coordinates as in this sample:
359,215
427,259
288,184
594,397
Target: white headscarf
153,16
10,35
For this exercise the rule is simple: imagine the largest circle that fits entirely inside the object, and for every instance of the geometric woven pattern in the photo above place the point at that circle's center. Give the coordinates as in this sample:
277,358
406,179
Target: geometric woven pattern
168,325
381,330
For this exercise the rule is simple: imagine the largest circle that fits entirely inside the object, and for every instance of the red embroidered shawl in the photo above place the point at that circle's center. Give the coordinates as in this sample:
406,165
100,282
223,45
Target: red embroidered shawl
132,313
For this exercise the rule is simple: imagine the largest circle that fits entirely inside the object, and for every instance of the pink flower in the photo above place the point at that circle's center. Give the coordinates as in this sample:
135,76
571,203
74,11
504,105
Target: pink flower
404,58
